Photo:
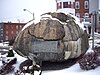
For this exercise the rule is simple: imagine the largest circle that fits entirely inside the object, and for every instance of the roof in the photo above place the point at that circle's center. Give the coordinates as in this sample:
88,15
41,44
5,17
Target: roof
12,23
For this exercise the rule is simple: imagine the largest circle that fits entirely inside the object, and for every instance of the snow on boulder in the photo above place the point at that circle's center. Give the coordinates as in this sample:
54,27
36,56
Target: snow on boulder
48,30
56,37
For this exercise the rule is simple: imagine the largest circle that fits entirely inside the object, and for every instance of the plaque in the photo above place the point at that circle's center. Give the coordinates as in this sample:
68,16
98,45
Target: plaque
44,46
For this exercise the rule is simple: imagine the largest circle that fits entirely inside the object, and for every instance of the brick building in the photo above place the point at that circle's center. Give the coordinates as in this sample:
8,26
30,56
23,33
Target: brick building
67,6
9,31
80,8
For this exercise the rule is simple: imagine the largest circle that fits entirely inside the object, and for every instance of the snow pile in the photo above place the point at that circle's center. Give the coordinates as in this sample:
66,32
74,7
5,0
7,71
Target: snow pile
73,70
77,20
46,16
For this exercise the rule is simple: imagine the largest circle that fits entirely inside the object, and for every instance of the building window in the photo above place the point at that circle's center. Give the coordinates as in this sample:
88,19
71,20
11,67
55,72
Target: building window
1,31
78,15
16,32
86,4
21,26
65,4
12,27
7,27
77,5
72,5
6,37
17,27
1,34
86,15
6,32
59,5
12,32
1,28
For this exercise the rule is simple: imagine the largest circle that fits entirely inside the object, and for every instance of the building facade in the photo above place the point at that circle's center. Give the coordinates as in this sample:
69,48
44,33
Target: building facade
66,6
79,8
82,10
9,31
1,32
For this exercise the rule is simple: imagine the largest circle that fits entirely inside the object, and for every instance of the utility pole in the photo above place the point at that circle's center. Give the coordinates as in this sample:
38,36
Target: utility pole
93,27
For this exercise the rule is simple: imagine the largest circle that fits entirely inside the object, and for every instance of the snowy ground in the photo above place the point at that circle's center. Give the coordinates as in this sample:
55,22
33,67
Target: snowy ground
73,70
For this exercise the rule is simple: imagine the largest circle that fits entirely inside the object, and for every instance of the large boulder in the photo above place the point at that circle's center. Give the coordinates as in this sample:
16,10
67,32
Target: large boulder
54,38
48,30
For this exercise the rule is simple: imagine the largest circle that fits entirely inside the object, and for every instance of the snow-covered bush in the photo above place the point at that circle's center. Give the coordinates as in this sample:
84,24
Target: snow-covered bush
90,60
97,55
87,61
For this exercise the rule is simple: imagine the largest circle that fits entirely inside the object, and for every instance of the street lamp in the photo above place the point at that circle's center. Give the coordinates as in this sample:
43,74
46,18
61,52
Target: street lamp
30,13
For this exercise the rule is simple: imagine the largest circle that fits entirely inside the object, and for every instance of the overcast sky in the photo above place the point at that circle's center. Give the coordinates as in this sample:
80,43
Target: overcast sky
12,10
